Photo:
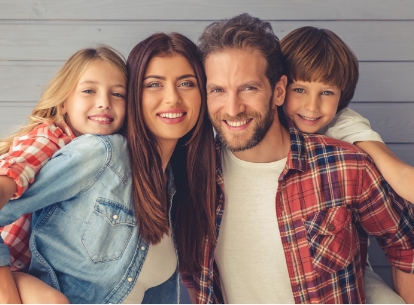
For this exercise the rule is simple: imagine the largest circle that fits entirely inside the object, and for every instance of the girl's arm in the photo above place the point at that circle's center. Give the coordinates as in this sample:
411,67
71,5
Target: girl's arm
8,288
397,173
7,189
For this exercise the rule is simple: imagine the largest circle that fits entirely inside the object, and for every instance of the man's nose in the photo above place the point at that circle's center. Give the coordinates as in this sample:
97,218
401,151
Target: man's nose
234,105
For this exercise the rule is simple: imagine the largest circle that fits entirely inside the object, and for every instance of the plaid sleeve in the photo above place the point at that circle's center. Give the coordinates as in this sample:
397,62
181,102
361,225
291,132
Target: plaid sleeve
187,280
389,217
30,152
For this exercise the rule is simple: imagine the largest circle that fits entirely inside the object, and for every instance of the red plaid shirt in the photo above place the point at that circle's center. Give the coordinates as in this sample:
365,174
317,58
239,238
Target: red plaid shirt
329,197
26,157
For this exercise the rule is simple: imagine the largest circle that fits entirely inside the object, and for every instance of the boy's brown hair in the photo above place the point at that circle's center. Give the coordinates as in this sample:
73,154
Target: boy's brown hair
313,54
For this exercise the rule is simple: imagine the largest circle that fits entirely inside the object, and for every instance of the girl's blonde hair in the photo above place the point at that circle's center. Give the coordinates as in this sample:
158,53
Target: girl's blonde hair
49,109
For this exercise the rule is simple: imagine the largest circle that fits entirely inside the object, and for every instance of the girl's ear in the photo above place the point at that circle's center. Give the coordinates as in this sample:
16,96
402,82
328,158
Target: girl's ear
63,108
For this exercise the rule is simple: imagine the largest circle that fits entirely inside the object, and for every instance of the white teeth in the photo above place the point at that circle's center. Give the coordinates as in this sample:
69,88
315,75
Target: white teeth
171,115
101,119
238,123
309,119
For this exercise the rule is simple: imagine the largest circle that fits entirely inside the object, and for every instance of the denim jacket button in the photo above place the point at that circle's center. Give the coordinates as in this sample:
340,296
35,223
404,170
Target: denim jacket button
115,217
130,279
142,248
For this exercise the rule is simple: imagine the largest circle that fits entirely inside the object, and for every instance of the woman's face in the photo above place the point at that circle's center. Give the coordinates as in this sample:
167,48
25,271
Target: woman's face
171,98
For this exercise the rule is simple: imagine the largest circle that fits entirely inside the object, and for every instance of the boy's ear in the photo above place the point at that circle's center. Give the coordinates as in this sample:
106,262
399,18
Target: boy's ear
279,93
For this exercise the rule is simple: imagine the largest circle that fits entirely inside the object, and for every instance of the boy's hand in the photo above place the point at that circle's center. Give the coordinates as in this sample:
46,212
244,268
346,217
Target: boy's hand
7,189
8,290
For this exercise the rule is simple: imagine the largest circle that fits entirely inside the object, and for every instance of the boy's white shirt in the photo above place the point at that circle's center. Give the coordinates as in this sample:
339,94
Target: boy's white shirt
351,127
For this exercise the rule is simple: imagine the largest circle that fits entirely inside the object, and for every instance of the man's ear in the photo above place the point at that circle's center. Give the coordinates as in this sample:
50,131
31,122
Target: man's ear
279,93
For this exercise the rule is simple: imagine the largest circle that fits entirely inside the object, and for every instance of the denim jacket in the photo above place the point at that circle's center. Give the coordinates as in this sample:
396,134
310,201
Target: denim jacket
85,240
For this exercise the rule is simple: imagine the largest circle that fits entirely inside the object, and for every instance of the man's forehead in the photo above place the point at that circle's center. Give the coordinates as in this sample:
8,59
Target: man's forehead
236,64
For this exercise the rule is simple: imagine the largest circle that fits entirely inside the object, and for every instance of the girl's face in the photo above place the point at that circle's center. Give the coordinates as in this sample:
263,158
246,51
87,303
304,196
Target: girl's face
97,104
171,98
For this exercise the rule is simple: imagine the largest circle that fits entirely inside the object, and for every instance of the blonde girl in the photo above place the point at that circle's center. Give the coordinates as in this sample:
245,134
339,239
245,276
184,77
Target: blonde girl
86,96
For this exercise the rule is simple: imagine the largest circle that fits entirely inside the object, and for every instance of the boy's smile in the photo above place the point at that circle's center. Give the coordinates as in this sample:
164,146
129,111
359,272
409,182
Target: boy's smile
311,105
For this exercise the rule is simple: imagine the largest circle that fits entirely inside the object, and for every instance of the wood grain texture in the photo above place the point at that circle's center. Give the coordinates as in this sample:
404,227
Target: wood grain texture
379,81
206,10
57,40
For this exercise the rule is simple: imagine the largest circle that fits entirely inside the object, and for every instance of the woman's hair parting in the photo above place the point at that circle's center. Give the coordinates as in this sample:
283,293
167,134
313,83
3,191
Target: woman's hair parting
192,163
49,107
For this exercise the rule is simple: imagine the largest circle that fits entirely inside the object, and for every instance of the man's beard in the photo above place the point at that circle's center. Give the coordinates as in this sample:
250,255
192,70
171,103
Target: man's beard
263,123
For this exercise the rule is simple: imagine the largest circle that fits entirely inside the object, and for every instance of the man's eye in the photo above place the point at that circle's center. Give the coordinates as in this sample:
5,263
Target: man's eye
216,90
299,90
249,88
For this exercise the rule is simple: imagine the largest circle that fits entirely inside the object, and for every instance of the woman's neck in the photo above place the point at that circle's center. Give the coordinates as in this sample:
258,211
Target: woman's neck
167,148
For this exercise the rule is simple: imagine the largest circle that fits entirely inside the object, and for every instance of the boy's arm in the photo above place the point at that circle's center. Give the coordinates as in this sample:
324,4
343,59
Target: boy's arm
403,284
397,173
7,189
8,289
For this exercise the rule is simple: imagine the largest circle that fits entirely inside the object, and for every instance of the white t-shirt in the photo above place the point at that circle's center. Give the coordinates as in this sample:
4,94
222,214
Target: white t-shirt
249,252
350,126
159,266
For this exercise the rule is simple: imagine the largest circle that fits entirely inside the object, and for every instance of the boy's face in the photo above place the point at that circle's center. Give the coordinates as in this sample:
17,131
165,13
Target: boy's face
311,105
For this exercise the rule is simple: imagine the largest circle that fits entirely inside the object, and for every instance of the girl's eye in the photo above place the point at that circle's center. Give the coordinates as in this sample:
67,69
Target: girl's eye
327,93
118,95
299,90
89,91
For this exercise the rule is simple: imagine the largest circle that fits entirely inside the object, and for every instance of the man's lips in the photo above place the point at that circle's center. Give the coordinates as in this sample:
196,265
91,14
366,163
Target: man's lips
237,123
102,118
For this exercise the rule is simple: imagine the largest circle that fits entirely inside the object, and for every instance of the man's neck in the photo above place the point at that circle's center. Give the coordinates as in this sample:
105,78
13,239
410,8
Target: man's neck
274,147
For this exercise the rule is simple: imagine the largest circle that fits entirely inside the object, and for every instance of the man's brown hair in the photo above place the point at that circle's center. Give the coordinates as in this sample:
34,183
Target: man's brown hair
313,54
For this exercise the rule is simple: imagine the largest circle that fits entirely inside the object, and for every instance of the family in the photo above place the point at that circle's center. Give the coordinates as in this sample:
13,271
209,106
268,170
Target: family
234,165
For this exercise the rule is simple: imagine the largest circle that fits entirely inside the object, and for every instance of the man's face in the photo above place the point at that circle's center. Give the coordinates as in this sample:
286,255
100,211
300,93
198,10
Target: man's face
239,96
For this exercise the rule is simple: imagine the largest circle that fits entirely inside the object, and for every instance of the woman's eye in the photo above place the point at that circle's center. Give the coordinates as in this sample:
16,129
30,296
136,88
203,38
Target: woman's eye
154,85
89,91
299,90
187,84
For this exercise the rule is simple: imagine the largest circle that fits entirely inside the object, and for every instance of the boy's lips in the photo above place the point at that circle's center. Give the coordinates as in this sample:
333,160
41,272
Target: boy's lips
309,120
102,118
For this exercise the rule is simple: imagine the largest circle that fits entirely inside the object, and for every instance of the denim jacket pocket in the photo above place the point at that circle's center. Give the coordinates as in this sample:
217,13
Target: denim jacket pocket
109,230
330,238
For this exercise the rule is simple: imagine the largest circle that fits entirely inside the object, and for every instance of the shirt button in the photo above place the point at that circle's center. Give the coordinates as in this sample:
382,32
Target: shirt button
130,279
115,217
331,227
11,161
142,248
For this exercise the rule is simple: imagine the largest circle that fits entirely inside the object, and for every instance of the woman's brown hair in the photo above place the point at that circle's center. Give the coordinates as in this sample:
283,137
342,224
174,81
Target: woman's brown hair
192,162
314,54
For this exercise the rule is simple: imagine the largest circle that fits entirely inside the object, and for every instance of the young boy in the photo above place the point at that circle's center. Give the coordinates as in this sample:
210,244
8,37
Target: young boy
322,75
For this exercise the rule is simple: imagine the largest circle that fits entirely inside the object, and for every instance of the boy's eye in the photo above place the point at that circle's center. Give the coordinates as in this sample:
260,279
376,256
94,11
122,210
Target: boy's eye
327,93
299,90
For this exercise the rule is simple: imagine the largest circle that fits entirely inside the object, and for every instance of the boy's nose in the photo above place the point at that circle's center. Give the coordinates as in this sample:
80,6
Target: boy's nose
313,104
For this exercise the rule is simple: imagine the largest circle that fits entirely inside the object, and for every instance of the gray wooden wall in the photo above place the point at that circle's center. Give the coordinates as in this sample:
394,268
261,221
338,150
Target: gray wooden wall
36,37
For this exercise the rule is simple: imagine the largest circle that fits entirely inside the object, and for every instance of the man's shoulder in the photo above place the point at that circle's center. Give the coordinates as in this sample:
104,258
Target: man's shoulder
321,146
